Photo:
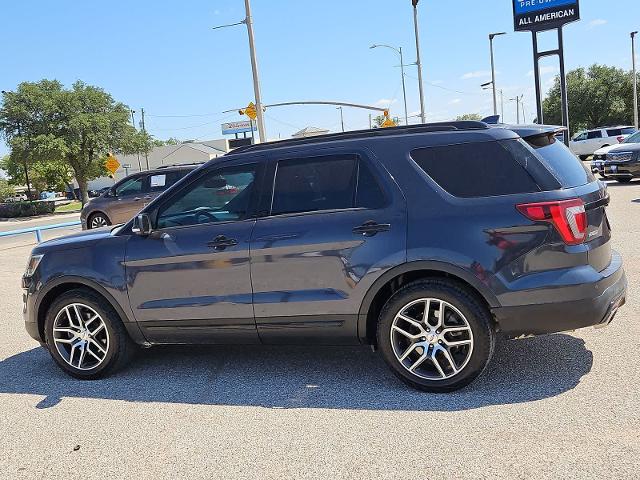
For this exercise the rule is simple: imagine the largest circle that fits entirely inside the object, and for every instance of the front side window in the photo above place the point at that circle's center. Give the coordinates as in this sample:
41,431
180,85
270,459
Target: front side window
133,186
221,195
580,137
635,138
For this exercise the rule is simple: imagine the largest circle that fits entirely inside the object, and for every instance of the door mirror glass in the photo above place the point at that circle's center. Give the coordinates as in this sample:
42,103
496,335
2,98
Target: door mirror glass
141,224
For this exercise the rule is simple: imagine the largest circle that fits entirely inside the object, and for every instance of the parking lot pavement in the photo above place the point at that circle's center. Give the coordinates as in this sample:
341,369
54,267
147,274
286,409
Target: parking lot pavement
12,242
561,406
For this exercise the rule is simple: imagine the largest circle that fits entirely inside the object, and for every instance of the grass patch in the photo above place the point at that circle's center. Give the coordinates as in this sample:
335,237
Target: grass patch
74,206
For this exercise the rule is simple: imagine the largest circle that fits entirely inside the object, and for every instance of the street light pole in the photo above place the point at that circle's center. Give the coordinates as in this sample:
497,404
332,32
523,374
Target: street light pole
133,122
341,118
404,88
256,80
423,117
635,79
493,71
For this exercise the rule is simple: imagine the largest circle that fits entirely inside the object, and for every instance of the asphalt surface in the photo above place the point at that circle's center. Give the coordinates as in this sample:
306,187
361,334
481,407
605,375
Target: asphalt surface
561,406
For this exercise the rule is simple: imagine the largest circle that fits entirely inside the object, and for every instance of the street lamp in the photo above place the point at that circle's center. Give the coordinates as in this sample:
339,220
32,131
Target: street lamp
488,86
423,117
635,79
404,89
341,118
493,70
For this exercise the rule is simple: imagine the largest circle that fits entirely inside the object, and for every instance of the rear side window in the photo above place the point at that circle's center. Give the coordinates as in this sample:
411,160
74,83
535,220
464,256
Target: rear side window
332,182
614,132
475,170
563,164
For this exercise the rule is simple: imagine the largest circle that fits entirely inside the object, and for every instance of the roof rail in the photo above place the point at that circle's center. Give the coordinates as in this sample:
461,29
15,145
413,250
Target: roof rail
377,132
177,165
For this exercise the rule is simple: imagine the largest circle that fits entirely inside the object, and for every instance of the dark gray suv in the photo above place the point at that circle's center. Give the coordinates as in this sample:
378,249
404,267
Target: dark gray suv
425,242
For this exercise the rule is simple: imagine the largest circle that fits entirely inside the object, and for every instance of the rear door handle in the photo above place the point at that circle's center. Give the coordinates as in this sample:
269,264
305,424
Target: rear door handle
221,242
371,228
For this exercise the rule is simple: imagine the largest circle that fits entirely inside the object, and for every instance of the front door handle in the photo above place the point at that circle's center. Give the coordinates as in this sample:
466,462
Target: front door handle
221,242
371,228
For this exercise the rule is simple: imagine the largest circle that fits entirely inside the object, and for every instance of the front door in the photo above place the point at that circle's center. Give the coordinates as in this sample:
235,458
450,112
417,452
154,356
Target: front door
190,281
335,226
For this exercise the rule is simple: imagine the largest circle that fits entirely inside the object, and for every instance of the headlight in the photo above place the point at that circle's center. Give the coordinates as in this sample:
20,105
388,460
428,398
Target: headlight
32,265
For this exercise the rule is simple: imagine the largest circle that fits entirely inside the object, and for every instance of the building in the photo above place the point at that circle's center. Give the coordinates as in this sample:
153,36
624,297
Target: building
310,132
184,153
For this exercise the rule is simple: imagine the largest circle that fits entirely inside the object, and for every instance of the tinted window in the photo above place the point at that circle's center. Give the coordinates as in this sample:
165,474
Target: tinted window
594,134
368,194
313,184
628,131
132,186
614,132
220,195
475,170
564,165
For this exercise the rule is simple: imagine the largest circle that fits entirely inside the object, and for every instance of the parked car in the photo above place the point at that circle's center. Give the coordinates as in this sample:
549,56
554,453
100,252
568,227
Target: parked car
18,197
424,241
620,162
120,203
586,143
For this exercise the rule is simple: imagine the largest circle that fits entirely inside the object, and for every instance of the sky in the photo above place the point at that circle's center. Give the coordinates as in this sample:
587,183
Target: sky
165,57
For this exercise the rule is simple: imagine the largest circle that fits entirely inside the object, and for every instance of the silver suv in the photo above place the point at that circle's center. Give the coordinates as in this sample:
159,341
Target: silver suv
130,195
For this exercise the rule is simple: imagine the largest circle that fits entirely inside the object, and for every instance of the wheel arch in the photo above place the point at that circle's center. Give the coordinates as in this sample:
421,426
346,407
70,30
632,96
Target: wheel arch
98,212
61,285
391,281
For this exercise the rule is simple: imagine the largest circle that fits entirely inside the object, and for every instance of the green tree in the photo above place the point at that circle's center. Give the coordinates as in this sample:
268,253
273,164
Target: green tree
45,175
598,96
469,116
80,126
5,190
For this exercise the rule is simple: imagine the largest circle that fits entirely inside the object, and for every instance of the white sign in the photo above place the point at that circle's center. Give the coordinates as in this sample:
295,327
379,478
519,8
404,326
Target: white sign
238,127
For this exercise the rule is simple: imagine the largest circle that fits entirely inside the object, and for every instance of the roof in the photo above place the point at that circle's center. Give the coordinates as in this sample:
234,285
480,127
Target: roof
310,132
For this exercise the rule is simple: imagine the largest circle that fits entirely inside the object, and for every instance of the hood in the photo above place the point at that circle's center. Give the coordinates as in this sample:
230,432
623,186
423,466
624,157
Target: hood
77,240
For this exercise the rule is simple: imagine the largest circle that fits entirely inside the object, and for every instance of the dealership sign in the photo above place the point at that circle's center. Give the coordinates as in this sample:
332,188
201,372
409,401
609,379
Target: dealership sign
538,15
238,127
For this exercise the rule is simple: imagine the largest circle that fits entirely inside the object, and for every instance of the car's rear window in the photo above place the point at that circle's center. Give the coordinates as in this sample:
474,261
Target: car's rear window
475,170
563,164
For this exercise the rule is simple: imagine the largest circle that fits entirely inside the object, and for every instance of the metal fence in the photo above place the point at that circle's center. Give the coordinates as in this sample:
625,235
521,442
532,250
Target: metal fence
38,230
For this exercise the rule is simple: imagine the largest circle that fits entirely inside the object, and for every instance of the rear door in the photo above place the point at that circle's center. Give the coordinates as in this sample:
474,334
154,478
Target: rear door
130,197
335,222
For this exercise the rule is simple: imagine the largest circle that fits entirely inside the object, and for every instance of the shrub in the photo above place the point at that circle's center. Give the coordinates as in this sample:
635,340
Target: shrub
26,209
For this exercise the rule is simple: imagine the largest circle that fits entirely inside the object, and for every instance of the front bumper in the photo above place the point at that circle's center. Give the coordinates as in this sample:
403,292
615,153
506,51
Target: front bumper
561,316
616,169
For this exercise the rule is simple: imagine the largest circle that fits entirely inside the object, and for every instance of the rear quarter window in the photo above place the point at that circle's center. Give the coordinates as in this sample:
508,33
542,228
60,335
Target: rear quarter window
559,160
475,170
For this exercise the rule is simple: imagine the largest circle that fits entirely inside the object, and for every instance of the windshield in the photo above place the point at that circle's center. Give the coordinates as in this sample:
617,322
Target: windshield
635,138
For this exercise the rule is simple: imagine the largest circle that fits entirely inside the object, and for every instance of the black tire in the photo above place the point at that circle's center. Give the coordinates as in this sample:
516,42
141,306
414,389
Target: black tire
624,180
99,218
120,348
584,158
477,317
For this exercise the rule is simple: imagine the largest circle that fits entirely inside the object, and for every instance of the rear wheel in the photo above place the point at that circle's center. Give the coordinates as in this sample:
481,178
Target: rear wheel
98,220
435,335
85,335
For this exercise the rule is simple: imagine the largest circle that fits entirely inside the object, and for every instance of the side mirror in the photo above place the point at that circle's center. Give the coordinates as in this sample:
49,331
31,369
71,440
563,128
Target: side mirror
141,225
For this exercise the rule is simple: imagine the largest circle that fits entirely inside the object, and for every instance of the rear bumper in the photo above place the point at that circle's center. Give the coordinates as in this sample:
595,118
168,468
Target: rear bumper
597,308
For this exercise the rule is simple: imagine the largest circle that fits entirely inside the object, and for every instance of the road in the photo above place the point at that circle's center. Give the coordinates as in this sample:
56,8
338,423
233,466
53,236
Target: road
561,406
7,225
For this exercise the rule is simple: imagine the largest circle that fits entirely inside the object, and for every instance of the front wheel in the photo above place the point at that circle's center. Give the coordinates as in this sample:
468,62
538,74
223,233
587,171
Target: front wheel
435,335
624,180
85,335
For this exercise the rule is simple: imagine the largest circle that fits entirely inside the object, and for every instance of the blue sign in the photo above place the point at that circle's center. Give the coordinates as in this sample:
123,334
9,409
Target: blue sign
238,127
538,15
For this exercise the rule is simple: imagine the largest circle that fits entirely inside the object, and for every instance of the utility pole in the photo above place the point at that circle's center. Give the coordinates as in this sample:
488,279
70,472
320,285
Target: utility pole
133,122
256,80
423,116
144,130
502,105
370,124
517,100
341,118
404,88
635,79
493,70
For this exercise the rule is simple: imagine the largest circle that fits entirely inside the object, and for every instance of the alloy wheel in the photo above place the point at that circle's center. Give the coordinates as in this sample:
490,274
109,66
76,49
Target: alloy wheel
98,221
431,339
81,336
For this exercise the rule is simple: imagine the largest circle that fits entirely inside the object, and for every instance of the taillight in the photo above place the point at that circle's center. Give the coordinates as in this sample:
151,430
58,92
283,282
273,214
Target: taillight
620,139
567,216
